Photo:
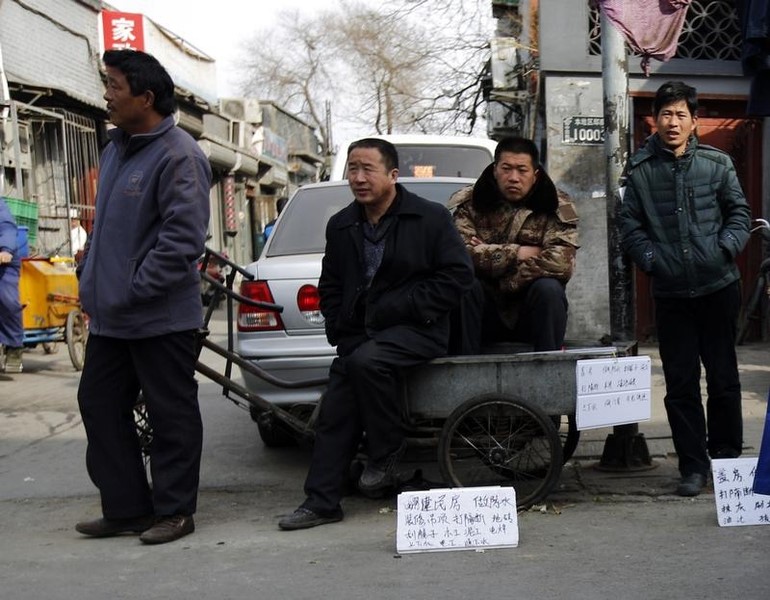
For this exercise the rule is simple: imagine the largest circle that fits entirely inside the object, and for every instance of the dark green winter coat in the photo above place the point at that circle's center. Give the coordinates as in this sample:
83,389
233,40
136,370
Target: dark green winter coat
684,220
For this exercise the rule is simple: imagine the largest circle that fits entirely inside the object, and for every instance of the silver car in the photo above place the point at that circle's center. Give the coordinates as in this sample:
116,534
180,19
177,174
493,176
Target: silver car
292,345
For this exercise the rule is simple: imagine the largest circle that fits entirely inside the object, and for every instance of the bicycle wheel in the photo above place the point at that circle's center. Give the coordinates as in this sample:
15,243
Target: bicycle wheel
501,440
566,425
751,310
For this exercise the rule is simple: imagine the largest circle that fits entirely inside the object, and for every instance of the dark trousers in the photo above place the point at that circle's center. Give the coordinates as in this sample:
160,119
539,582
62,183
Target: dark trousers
542,319
163,368
363,396
11,329
691,330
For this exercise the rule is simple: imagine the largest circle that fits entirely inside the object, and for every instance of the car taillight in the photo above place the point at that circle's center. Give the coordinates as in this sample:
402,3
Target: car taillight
251,318
309,304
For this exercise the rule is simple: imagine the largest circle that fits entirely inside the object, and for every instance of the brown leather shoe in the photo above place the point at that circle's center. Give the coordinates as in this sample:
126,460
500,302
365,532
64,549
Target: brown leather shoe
100,528
168,529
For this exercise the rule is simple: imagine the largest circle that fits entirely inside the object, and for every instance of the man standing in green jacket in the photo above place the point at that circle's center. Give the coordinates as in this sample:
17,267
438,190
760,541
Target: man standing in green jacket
683,221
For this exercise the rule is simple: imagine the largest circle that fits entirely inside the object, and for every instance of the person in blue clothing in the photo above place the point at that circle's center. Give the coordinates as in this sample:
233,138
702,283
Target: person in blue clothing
11,329
279,204
140,286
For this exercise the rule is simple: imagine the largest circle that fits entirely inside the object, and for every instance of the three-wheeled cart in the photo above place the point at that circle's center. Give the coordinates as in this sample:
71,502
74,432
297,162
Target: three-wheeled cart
48,291
502,418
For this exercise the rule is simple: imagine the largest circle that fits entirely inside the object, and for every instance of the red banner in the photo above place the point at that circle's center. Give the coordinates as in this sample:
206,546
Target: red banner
122,30
231,219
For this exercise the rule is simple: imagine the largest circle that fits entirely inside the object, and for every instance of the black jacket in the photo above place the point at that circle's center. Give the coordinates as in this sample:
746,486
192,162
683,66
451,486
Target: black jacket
425,270
684,219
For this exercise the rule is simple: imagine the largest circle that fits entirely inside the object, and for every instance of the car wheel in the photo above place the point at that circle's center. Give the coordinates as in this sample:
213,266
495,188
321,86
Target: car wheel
274,432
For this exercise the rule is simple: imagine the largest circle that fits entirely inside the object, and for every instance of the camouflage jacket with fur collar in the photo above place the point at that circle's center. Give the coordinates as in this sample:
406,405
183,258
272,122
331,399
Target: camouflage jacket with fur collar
545,218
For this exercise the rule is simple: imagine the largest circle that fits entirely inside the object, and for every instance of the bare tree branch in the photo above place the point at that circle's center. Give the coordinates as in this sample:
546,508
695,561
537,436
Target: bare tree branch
408,65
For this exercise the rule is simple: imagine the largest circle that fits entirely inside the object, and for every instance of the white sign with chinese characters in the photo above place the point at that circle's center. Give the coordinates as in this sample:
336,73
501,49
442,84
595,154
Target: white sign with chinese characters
737,504
457,519
613,391
583,130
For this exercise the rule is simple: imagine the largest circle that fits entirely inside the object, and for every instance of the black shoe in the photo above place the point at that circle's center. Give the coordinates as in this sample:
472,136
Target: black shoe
691,485
100,528
725,452
304,518
380,476
168,529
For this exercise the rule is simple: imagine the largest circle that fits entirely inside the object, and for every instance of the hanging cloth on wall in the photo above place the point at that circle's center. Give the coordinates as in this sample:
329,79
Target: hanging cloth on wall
650,27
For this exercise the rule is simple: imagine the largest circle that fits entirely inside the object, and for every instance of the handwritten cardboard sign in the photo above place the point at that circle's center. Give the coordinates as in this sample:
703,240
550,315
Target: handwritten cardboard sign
457,519
613,391
737,504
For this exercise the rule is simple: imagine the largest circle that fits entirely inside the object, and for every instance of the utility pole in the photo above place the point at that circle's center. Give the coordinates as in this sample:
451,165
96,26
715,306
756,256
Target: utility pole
5,100
616,148
625,448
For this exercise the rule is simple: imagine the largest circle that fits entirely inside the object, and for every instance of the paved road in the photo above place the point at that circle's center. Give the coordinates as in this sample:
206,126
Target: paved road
602,535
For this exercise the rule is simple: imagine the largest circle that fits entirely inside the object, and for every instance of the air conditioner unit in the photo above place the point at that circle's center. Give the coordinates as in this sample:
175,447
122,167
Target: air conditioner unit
241,133
15,145
241,109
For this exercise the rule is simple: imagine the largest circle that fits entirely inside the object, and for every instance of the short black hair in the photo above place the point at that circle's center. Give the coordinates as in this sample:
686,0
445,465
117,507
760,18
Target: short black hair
675,91
144,73
387,150
518,145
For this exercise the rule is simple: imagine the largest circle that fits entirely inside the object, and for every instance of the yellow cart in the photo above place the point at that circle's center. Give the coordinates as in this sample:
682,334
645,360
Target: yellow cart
48,291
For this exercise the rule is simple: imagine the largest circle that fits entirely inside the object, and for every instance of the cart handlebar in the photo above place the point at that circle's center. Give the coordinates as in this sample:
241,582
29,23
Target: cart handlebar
238,297
223,259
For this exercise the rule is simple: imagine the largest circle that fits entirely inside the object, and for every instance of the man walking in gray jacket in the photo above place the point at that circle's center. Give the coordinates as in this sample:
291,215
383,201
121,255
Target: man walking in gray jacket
140,286
683,221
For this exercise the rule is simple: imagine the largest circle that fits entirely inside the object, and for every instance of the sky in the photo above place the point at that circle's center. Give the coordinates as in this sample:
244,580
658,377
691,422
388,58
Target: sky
221,30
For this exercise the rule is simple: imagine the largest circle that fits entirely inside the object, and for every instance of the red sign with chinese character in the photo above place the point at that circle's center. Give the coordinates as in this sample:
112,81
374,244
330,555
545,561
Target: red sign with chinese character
123,30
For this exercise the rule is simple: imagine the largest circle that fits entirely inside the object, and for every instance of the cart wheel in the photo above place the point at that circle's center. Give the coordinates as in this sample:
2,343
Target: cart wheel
50,347
496,439
274,432
76,334
566,425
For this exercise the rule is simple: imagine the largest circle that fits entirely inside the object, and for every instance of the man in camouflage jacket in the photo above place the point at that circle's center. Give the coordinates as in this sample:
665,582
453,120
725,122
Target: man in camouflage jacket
521,233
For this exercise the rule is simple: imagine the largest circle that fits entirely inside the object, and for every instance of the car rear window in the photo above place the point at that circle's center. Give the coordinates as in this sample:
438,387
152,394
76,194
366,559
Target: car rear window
431,161
302,228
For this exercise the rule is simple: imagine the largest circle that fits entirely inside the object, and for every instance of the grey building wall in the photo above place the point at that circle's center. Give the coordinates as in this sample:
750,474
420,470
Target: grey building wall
579,171
573,88
53,44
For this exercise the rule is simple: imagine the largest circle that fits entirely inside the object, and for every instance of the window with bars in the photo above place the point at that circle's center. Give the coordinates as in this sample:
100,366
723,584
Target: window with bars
711,32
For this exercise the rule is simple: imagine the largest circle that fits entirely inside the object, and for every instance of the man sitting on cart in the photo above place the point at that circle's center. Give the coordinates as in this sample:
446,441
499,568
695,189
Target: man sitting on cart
521,233
393,270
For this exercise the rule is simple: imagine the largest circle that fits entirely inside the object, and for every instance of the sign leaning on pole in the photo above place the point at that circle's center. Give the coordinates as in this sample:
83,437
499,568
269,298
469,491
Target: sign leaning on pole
613,391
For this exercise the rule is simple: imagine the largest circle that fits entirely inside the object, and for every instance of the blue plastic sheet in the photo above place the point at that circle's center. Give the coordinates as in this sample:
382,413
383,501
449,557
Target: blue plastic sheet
762,477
